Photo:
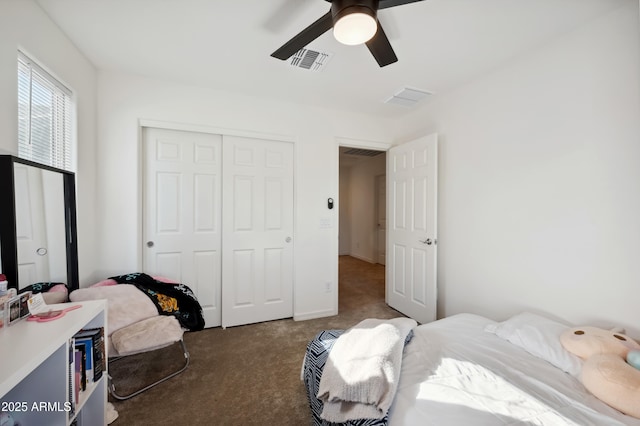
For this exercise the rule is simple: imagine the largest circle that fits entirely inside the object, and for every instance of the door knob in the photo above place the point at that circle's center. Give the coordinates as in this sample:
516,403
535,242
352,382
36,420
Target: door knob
149,244
427,241
288,239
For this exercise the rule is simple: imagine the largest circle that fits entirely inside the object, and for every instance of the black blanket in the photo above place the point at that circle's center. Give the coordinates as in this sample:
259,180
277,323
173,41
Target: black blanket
170,299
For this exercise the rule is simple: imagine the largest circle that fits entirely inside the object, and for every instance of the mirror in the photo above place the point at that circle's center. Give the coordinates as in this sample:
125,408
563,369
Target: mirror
38,237
40,225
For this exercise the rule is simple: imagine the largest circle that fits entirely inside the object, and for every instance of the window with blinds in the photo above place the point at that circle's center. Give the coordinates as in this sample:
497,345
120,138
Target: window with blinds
44,116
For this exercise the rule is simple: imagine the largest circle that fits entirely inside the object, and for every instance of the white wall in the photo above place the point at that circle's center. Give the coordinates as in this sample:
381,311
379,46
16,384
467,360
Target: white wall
124,99
24,25
361,200
539,181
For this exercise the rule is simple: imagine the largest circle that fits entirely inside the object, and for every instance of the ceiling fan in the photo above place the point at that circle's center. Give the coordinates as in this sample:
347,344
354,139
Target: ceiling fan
353,22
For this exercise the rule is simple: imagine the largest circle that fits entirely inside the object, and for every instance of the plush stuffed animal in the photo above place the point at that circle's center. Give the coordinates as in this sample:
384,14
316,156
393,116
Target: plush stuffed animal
633,358
605,372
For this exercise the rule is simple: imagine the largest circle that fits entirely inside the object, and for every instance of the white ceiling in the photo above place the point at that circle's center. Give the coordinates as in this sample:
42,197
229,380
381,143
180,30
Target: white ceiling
226,44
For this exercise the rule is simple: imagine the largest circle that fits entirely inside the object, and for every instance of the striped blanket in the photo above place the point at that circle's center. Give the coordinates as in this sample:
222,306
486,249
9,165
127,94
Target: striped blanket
316,356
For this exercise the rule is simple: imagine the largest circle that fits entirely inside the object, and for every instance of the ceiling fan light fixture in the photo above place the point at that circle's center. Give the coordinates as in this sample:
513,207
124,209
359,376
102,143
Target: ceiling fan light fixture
353,22
356,27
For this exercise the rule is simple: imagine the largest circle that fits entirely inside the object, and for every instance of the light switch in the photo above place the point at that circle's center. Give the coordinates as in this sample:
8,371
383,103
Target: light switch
326,223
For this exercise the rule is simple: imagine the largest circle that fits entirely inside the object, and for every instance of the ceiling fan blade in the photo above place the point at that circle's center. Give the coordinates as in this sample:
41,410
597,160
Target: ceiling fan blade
381,49
305,37
385,4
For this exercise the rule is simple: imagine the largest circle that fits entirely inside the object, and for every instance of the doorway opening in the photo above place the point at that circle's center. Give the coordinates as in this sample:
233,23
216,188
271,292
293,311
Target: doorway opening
362,215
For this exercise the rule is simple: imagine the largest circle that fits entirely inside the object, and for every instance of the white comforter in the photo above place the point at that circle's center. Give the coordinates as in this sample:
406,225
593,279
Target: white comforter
455,373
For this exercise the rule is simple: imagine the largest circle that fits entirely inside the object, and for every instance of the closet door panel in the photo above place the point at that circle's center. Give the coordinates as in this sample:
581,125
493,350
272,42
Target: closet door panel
182,212
258,201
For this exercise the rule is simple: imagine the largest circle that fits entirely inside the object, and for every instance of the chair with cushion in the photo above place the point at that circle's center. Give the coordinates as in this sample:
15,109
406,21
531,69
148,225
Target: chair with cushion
143,336
134,326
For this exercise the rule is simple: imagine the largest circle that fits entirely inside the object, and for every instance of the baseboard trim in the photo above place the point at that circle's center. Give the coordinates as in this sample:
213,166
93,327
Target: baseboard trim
366,259
314,315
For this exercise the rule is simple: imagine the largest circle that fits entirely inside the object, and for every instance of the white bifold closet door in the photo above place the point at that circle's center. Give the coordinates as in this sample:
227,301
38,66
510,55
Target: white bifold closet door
182,212
218,214
257,210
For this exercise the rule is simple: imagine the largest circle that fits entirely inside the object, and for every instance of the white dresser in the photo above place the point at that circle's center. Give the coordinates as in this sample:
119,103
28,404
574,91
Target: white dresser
34,370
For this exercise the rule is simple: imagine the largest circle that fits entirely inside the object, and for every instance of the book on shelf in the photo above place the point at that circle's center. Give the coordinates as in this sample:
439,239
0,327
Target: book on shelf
97,358
77,379
86,362
86,344
71,397
80,365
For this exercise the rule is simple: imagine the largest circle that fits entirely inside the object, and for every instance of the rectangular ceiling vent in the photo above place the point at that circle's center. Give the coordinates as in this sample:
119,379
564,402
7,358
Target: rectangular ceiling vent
362,152
311,60
407,97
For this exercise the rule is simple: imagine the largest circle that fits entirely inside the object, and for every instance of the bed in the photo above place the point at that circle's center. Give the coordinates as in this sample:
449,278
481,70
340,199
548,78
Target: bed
470,370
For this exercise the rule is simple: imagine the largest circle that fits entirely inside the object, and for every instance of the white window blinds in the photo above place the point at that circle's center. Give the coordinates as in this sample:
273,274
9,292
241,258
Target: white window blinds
44,116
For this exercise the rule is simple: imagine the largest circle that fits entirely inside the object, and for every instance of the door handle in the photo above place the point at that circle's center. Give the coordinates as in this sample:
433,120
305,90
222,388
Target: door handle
288,239
150,244
428,241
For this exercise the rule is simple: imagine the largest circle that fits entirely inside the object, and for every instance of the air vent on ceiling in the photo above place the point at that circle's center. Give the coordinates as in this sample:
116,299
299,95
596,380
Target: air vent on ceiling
311,60
362,152
407,97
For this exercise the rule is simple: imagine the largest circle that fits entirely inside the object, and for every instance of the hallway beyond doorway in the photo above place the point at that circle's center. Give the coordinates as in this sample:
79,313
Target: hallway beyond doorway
361,285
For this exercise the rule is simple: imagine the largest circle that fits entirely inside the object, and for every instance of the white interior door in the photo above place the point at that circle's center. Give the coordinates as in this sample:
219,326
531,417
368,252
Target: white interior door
182,212
257,282
381,218
31,234
412,172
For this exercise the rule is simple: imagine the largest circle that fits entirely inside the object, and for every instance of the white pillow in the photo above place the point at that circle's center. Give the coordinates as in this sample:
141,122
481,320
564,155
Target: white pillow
539,336
146,335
